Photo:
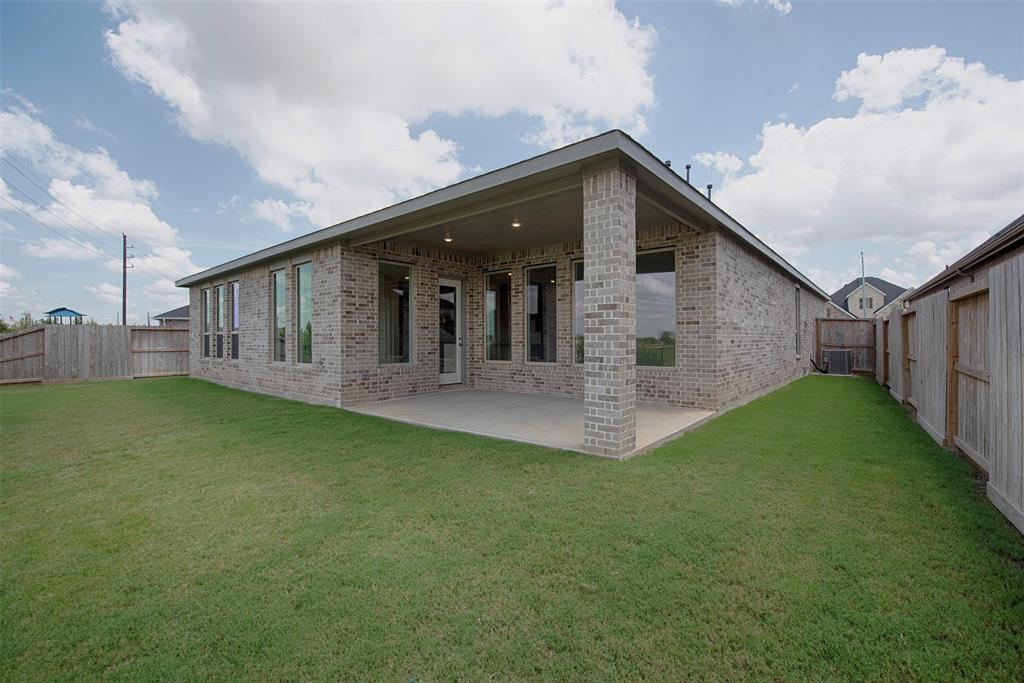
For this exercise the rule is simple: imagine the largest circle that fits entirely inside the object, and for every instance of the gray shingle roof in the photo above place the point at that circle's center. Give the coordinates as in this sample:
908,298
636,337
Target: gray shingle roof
174,314
887,288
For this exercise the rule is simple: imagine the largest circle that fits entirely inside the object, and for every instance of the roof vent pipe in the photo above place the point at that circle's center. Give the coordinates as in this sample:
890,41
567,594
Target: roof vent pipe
668,162
709,190
688,173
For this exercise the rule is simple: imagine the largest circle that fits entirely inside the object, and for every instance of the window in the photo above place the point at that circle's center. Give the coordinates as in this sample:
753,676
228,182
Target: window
577,311
395,308
220,320
304,307
277,332
499,316
207,320
541,314
235,320
796,319
871,303
656,309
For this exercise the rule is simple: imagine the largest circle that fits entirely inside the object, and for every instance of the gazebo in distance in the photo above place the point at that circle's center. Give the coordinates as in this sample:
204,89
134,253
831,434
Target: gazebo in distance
58,316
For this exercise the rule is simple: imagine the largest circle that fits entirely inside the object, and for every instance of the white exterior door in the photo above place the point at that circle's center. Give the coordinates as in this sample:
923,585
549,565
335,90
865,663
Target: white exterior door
449,331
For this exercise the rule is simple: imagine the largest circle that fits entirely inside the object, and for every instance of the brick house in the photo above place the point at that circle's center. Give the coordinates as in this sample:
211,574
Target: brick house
592,271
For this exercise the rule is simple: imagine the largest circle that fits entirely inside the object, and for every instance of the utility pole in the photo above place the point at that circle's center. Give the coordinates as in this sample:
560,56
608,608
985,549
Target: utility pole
862,290
124,278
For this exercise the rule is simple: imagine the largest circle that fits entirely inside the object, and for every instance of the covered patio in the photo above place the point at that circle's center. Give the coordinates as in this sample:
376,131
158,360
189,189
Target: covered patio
552,421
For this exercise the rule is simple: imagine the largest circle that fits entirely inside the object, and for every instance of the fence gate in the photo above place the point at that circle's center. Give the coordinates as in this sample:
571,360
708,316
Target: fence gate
969,377
844,334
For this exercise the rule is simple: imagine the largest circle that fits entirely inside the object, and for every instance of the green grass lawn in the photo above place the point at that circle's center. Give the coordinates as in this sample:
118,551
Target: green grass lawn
175,529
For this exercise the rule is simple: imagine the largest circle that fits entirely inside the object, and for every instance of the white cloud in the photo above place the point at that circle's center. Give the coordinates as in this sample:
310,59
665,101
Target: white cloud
903,279
106,292
934,154
8,273
83,122
90,182
783,7
60,248
91,198
726,164
325,100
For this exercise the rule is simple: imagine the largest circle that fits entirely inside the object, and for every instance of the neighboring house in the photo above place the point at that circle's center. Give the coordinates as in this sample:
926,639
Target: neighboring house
177,317
593,271
862,300
888,308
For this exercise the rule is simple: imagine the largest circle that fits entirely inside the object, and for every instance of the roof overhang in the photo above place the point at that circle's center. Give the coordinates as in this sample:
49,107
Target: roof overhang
548,175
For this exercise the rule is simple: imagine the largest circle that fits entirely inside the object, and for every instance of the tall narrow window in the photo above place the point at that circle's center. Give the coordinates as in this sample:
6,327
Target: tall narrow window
304,308
578,297
277,332
236,321
220,320
541,314
395,312
207,320
499,318
796,319
656,309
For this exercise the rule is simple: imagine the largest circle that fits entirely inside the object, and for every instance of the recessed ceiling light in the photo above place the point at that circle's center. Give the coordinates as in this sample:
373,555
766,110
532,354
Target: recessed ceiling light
448,237
515,223
552,282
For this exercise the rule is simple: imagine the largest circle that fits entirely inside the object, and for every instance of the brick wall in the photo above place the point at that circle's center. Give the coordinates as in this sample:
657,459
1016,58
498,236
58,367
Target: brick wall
755,306
734,338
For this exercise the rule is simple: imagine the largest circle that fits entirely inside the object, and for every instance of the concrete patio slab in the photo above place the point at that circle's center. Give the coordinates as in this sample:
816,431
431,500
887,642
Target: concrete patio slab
552,421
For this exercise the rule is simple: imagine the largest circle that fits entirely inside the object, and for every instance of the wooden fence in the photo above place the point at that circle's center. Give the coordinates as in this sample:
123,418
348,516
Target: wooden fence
62,353
955,356
858,336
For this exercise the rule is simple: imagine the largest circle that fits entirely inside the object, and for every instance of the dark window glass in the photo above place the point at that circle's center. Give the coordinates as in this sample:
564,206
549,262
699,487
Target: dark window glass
499,316
395,312
206,322
577,311
277,332
656,309
304,301
235,318
541,314
220,346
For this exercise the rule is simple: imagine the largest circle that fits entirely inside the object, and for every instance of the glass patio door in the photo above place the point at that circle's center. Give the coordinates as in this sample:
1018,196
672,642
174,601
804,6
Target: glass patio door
449,331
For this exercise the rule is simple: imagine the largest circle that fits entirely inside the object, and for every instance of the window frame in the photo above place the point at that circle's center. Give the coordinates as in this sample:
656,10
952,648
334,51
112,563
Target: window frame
797,320
675,298
582,285
298,312
234,293
410,323
219,319
526,313
508,274
274,327
206,318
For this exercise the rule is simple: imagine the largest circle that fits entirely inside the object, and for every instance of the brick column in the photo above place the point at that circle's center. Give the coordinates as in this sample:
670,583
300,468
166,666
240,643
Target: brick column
609,271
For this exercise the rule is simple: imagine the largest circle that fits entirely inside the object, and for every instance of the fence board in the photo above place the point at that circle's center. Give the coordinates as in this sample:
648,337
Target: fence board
21,356
858,336
62,353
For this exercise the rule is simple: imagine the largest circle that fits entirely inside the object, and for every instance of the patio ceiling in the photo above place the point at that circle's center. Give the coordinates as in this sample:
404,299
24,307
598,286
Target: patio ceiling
549,219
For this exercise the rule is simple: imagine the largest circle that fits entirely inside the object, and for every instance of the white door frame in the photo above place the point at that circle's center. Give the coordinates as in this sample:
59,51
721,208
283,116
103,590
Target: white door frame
454,377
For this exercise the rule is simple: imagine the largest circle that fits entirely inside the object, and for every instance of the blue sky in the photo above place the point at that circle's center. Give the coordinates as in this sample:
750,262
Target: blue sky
230,127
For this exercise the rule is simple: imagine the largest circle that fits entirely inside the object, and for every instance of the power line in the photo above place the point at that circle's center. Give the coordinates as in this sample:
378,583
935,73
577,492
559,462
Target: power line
86,246
47,210
152,271
63,201
38,182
